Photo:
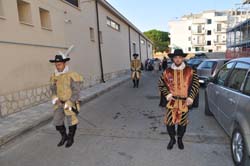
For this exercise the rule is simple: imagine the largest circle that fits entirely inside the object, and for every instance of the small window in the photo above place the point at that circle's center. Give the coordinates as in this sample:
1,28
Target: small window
1,9
189,28
142,42
92,34
101,37
111,23
219,28
189,38
45,19
210,50
218,48
238,75
24,12
223,74
199,29
73,2
209,21
246,89
189,49
209,32
209,43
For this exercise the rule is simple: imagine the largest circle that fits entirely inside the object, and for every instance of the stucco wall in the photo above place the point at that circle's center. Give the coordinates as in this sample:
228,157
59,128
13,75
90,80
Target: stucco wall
115,46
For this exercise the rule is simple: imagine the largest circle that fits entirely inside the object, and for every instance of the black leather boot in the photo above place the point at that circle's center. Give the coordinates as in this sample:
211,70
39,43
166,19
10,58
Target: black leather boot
180,133
63,133
180,143
134,84
71,135
172,133
137,83
171,143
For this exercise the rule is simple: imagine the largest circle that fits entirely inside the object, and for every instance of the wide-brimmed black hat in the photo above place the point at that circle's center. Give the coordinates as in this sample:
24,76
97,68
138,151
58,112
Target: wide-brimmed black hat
59,58
135,55
177,52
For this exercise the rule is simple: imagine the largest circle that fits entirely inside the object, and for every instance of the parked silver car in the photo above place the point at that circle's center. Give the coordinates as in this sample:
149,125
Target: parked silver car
208,68
227,97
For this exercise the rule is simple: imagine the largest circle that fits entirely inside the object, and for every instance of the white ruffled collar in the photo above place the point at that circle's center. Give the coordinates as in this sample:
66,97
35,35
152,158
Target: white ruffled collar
66,69
181,67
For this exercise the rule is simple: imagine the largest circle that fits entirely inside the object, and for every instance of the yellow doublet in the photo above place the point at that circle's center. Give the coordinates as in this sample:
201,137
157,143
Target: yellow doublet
64,92
63,84
136,68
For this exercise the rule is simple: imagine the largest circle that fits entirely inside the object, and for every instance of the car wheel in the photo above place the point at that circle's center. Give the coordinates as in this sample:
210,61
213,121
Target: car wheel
207,110
238,148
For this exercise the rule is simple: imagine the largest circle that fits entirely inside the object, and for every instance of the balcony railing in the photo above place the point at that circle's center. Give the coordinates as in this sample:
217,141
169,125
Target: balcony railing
222,30
198,32
220,42
198,43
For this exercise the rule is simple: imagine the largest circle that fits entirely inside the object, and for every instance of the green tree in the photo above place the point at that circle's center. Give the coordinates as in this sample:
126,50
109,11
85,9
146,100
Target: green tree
160,39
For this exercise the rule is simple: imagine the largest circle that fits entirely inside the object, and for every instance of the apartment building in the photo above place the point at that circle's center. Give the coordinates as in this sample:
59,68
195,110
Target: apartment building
203,32
238,33
33,31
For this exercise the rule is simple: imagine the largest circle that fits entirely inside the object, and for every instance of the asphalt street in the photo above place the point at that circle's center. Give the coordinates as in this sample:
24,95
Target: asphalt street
124,127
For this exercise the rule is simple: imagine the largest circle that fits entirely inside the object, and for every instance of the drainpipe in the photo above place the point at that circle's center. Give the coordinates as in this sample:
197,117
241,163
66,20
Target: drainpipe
99,41
140,45
129,42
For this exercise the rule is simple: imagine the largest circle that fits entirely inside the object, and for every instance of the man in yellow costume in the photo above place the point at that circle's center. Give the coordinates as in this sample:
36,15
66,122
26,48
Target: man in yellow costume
65,87
180,85
136,70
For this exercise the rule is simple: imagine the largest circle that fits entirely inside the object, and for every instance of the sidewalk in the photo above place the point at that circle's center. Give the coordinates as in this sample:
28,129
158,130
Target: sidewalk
14,125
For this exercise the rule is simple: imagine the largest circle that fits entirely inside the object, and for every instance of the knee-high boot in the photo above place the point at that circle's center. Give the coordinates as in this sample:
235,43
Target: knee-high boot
137,83
62,131
171,133
134,83
71,135
180,133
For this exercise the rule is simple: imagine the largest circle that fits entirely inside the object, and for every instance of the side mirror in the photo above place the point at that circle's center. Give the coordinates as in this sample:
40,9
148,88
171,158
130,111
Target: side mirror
210,79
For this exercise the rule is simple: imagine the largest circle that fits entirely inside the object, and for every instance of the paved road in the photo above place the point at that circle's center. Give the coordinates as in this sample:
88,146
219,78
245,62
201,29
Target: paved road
124,128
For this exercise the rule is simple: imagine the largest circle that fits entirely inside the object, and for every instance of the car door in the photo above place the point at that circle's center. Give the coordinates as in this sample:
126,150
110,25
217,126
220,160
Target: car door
229,95
243,107
215,89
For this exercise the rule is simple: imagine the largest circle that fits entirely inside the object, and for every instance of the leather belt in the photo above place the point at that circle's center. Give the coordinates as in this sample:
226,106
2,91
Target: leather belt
63,102
179,98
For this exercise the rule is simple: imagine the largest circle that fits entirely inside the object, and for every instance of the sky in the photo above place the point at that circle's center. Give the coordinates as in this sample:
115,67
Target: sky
155,14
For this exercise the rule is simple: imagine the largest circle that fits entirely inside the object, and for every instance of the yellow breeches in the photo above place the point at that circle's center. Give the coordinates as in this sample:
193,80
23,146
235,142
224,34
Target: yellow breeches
135,75
72,115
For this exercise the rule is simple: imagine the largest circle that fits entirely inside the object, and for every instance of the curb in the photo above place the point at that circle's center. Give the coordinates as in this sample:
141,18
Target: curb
43,119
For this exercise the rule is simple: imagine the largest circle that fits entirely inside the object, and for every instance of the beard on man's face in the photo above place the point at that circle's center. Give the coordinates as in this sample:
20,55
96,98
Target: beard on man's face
178,62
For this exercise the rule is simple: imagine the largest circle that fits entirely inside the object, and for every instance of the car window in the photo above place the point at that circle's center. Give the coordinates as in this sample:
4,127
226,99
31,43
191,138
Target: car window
223,74
194,61
207,64
238,75
246,89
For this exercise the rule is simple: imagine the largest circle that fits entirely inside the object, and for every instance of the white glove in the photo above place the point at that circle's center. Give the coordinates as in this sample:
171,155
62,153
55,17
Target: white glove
67,107
54,101
170,97
189,101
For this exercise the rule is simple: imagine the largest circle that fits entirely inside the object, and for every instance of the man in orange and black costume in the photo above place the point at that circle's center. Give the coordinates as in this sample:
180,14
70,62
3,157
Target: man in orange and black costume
180,85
